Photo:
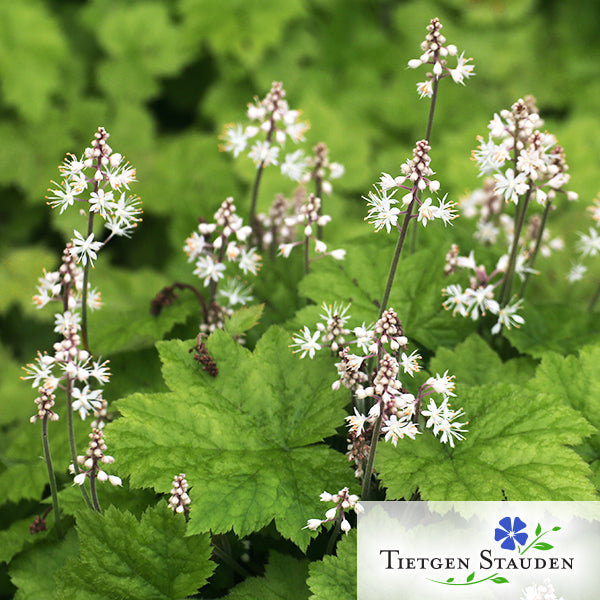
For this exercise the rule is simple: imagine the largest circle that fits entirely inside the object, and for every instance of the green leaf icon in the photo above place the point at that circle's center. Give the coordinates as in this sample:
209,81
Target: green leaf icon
556,528
450,580
471,576
543,546
500,580
538,529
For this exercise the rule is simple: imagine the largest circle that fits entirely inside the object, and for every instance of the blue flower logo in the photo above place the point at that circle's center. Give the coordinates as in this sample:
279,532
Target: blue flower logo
510,532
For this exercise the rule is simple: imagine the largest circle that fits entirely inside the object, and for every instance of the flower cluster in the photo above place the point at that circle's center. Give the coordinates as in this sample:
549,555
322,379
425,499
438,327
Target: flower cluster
495,226
415,178
435,53
212,247
71,367
179,500
272,123
344,501
321,170
94,457
308,217
223,240
588,243
100,180
479,299
398,408
521,158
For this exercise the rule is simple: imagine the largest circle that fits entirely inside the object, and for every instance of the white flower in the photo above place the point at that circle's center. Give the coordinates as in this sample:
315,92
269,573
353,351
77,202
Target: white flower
234,139
313,524
294,165
249,261
425,88
445,210
589,244
86,400
306,342
489,156
85,249
509,186
576,273
208,269
63,322
357,422
463,70
338,254
457,300
426,212
507,317
481,299
101,202
442,384
382,214
264,153
387,182
395,429
63,198
410,363
236,293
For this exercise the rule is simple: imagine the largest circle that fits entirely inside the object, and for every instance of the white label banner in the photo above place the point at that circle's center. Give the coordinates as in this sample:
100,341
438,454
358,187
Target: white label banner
478,550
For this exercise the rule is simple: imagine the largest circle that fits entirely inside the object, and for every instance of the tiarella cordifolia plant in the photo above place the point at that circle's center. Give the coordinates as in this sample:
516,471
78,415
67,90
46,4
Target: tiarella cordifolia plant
392,411
212,247
227,241
98,181
389,401
525,164
588,245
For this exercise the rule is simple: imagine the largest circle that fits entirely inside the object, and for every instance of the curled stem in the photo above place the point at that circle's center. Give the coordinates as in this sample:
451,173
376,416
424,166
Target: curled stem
51,476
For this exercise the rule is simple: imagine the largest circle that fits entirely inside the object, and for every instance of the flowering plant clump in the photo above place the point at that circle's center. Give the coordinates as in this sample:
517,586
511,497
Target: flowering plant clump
312,349
390,402
92,180
524,164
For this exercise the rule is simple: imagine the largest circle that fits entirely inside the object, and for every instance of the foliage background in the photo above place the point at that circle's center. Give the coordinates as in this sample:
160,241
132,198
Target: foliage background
163,77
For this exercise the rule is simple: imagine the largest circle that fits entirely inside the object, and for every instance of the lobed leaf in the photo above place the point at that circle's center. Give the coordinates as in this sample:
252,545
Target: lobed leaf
334,578
247,439
516,449
121,557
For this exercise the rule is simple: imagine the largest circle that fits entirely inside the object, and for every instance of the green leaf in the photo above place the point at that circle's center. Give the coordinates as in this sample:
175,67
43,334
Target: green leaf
500,580
334,578
556,528
473,362
121,557
247,440
515,449
239,28
15,537
471,576
538,529
416,295
33,572
450,580
33,55
558,327
543,546
285,577
575,381
243,319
